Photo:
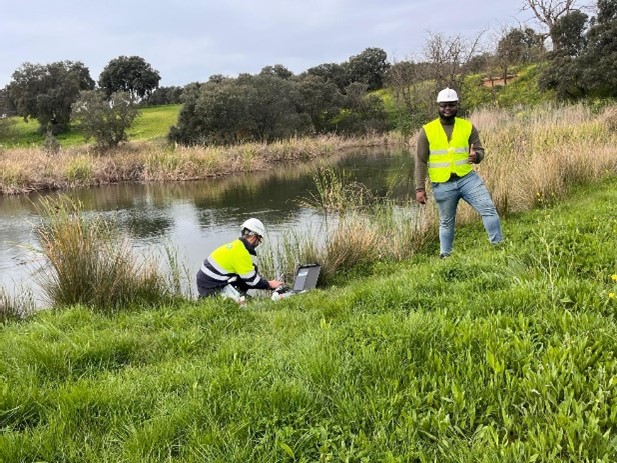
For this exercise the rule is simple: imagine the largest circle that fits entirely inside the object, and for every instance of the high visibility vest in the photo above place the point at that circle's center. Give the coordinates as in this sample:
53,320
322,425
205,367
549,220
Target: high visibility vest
229,260
447,157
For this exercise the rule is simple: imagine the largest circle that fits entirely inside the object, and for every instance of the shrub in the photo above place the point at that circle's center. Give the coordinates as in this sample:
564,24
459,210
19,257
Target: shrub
89,263
107,121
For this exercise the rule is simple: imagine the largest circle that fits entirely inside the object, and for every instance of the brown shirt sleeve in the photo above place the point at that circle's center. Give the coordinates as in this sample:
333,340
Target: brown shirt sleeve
421,164
474,140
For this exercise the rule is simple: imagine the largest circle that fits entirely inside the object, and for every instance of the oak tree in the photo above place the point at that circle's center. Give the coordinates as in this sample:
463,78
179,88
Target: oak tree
131,74
46,92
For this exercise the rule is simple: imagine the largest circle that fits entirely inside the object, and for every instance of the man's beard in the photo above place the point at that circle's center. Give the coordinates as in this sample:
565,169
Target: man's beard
449,118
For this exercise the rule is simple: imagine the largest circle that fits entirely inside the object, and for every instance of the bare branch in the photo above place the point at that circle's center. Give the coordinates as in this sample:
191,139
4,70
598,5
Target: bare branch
547,12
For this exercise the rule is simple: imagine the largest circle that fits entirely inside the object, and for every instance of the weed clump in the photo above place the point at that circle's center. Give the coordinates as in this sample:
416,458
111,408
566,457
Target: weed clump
88,262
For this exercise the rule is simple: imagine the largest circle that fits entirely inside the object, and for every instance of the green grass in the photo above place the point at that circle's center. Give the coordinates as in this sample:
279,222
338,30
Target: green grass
153,123
501,354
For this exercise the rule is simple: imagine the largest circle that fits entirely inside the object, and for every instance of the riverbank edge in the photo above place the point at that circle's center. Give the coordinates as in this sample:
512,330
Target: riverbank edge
26,170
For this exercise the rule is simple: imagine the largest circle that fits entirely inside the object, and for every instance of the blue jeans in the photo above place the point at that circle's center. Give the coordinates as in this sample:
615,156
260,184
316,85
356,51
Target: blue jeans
471,188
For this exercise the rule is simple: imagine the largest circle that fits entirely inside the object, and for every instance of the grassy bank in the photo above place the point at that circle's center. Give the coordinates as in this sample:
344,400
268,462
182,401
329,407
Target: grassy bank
31,169
502,355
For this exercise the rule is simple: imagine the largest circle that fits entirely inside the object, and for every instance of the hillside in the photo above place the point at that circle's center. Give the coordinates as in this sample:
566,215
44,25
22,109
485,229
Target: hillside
152,124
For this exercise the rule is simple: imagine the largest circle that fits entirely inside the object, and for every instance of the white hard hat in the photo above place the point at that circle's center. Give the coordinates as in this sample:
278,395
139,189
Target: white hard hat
255,226
447,94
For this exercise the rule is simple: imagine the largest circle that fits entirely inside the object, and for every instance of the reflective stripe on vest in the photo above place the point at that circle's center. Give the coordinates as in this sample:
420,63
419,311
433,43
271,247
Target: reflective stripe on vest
229,260
447,157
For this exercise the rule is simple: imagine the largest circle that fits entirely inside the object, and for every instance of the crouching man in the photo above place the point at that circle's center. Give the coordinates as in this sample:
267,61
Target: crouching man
232,264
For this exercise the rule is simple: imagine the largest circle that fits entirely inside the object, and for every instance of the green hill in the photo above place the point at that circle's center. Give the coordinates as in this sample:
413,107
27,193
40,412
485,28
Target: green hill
153,123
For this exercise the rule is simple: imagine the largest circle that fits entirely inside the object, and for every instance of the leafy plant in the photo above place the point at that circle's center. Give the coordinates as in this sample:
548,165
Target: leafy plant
105,120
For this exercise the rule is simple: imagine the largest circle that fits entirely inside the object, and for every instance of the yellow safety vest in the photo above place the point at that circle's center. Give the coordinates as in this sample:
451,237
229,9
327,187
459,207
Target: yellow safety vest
447,157
231,258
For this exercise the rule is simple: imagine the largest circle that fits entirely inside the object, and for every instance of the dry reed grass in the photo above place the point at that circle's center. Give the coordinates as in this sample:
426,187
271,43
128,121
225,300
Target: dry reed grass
87,262
535,156
24,170
16,305
357,236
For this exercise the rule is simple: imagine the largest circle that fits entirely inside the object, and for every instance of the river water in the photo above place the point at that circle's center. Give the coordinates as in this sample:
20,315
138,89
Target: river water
193,218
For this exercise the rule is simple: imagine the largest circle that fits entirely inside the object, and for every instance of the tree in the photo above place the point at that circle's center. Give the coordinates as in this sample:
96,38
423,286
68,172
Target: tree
274,108
409,88
369,67
321,101
277,70
247,108
518,46
569,34
547,12
7,108
131,74
565,77
564,73
188,127
361,113
163,96
104,119
447,59
480,63
46,92
336,73
599,60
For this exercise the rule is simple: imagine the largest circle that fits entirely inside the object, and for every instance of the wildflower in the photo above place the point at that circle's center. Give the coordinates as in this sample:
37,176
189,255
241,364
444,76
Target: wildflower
611,295
614,277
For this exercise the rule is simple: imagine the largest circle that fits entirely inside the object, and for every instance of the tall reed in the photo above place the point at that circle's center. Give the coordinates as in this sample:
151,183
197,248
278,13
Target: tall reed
356,234
535,155
88,262
336,192
16,305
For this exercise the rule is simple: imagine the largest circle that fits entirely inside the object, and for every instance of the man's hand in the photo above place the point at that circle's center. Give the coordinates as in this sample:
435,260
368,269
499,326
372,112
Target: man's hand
421,196
275,284
473,157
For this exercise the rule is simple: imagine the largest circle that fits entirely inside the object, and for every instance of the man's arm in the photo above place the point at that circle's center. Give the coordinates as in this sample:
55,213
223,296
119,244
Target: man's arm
421,166
476,150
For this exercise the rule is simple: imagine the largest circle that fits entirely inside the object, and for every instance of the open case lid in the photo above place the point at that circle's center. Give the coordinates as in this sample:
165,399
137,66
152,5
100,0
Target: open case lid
306,277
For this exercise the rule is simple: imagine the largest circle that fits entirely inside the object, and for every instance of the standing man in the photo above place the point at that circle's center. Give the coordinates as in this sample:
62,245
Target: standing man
447,147
232,264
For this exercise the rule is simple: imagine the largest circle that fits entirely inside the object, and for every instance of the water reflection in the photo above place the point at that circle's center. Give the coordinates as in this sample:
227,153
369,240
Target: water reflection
196,216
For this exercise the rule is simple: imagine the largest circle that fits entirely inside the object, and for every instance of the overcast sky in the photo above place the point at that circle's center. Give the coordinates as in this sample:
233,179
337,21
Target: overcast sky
188,41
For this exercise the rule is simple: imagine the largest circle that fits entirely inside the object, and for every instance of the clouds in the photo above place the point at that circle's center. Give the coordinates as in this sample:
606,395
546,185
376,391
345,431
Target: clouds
189,41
